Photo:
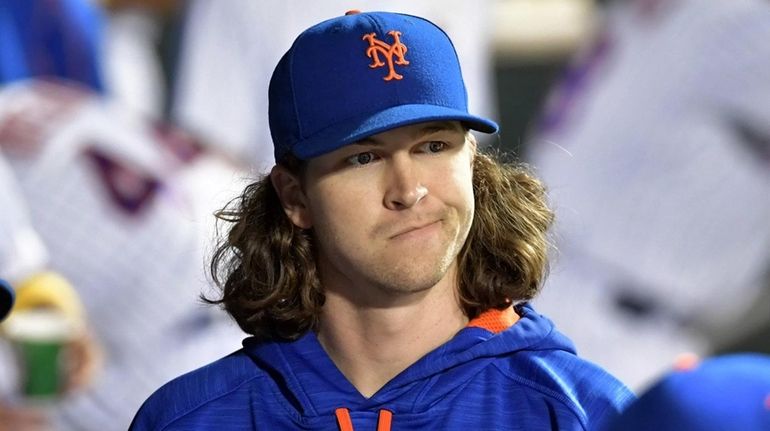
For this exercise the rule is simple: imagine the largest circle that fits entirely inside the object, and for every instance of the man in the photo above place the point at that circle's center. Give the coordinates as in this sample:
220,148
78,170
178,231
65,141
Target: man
383,265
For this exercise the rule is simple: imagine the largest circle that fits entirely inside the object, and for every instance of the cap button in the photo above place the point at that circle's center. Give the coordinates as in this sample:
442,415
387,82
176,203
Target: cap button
352,12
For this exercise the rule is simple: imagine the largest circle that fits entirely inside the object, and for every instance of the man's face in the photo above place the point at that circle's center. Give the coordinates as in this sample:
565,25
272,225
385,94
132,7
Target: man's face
390,212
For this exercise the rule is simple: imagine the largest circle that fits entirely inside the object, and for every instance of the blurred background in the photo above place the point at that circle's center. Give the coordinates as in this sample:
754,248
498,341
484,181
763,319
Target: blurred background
124,124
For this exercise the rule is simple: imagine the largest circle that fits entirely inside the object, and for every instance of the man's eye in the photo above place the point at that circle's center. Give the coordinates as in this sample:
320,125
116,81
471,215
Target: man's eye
361,158
435,146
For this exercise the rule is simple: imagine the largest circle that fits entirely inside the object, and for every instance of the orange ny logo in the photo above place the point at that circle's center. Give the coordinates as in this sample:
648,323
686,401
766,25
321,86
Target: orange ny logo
377,47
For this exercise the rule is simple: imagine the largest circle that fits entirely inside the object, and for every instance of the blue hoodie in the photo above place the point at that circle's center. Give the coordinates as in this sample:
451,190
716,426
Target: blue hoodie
490,376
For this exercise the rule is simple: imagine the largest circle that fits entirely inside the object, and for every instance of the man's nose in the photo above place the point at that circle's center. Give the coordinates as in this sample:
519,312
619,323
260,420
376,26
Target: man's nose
404,186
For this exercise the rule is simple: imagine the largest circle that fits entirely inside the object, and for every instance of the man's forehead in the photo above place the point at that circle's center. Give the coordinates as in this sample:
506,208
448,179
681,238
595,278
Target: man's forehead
415,130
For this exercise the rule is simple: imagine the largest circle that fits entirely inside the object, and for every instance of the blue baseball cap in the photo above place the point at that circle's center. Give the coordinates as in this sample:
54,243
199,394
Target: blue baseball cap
6,298
730,392
360,74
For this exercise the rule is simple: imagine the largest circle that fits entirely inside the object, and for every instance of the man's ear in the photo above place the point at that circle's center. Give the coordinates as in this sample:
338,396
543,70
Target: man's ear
291,195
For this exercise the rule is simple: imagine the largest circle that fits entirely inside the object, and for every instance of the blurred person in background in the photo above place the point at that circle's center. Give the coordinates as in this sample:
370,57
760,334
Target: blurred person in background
116,201
55,38
224,62
725,392
108,194
656,151
140,42
67,31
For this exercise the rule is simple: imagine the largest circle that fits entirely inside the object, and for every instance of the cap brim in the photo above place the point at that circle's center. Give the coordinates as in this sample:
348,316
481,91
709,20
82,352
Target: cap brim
356,129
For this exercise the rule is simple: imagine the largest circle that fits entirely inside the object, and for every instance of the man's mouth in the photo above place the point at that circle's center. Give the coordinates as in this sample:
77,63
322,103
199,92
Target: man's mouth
414,229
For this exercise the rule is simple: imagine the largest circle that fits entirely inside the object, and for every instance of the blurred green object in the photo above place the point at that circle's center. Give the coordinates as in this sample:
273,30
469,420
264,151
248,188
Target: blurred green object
40,336
42,361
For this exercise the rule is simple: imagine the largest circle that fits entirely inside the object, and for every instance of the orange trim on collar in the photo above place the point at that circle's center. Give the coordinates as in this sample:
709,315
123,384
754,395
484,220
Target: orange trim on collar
495,321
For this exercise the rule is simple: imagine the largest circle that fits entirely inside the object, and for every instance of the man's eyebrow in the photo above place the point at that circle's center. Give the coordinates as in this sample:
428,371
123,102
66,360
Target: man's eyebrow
443,126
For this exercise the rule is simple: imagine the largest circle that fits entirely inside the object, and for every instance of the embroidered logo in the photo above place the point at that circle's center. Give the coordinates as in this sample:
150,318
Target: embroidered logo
396,49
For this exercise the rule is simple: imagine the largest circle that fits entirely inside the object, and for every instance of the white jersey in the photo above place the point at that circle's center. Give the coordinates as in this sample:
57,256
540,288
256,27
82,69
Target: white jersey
655,150
106,192
230,48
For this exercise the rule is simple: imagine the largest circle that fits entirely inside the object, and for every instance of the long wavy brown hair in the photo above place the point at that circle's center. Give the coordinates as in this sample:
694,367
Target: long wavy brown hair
267,271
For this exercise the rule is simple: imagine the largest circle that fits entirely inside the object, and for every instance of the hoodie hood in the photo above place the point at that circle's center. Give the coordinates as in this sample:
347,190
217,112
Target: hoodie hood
311,377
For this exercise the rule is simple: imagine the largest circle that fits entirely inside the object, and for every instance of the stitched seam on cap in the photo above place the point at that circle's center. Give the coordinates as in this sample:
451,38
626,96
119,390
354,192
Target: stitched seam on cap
298,122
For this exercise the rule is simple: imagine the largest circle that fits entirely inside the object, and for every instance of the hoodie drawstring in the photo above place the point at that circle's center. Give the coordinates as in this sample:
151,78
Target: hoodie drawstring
343,419
383,422
346,424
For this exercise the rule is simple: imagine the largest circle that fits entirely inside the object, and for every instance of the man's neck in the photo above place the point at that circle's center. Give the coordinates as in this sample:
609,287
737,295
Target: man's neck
371,346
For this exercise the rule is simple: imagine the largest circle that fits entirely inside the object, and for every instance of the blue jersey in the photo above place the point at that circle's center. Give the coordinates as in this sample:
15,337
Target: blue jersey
491,375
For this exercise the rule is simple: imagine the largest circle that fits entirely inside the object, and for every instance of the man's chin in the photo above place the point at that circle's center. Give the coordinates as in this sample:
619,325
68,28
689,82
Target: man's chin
414,276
